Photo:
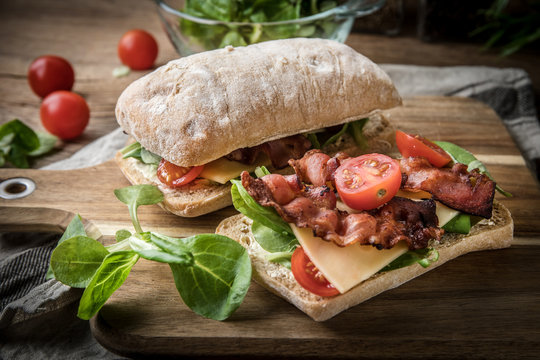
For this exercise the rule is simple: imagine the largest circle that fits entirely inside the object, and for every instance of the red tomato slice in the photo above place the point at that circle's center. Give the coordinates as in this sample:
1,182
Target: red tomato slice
415,145
368,181
308,276
175,176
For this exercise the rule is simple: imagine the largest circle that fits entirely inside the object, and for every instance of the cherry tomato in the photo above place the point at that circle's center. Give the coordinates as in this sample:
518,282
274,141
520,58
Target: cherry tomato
415,145
308,276
64,114
175,176
368,181
50,73
137,49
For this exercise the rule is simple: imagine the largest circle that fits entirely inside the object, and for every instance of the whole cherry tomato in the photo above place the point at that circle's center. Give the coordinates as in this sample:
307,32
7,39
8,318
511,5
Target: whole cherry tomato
368,181
137,49
416,145
49,73
175,176
64,114
308,276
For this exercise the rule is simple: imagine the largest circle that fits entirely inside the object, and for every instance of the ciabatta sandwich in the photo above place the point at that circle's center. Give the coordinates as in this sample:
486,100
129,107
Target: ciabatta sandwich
343,229
199,121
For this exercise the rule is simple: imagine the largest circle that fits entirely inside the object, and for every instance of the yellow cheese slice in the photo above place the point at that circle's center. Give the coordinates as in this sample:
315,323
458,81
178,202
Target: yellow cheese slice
223,170
345,267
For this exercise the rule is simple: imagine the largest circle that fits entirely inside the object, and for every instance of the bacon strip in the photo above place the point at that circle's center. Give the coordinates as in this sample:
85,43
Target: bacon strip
316,168
314,207
469,192
279,151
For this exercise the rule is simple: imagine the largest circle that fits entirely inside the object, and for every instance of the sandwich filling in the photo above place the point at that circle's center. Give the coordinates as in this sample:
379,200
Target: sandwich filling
350,203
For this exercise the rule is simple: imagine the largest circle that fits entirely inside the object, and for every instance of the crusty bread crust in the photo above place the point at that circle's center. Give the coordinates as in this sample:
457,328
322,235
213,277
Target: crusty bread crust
203,197
494,233
194,199
198,108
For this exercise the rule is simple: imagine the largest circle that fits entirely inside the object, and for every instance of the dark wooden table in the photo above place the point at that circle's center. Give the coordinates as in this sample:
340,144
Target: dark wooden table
86,33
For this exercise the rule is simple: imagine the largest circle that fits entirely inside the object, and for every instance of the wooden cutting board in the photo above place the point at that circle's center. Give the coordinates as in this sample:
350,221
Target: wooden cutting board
481,305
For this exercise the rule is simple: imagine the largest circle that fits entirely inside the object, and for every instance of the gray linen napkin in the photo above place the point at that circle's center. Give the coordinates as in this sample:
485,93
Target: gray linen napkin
28,302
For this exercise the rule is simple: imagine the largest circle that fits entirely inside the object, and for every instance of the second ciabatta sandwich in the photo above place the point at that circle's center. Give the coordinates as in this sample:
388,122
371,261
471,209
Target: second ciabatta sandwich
201,120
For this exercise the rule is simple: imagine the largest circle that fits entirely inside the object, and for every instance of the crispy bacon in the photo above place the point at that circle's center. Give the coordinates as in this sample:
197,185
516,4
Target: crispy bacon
279,151
315,207
470,192
316,168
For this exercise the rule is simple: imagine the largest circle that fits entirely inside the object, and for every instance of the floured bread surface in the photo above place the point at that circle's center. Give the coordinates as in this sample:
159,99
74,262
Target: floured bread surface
201,107
494,233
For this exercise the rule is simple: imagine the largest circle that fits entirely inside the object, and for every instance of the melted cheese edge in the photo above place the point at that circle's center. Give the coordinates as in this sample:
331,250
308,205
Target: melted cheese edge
223,170
346,267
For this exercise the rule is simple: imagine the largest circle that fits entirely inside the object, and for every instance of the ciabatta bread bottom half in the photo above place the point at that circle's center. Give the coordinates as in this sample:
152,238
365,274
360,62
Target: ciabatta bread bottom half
204,196
493,233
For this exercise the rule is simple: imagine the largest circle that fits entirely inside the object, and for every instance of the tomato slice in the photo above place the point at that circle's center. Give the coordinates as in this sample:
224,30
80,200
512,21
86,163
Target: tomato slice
175,176
308,276
368,181
415,145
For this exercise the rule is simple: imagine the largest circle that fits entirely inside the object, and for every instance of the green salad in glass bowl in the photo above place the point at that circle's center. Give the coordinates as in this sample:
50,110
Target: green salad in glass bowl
197,25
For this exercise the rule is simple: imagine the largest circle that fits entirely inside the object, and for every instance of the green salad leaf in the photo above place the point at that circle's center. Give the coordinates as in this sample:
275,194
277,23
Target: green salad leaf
110,275
460,224
462,156
423,257
212,272
75,260
273,241
18,142
137,151
325,137
216,283
136,195
268,217
252,13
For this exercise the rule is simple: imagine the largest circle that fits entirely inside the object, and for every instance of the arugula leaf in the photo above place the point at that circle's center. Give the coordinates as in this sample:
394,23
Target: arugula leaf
462,156
148,157
74,228
18,141
216,283
136,195
357,133
256,12
132,150
174,247
245,204
423,257
336,136
110,275
122,235
460,224
283,258
137,151
261,171
271,240
46,144
75,260
25,137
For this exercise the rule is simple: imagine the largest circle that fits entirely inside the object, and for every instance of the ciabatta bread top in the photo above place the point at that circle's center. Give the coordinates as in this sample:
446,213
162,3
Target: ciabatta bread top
494,233
201,107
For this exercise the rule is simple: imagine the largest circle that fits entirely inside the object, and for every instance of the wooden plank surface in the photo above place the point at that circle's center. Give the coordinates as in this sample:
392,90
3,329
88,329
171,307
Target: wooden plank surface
481,305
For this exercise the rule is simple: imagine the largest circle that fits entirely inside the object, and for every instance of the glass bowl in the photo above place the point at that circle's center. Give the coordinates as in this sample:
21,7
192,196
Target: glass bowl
191,34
